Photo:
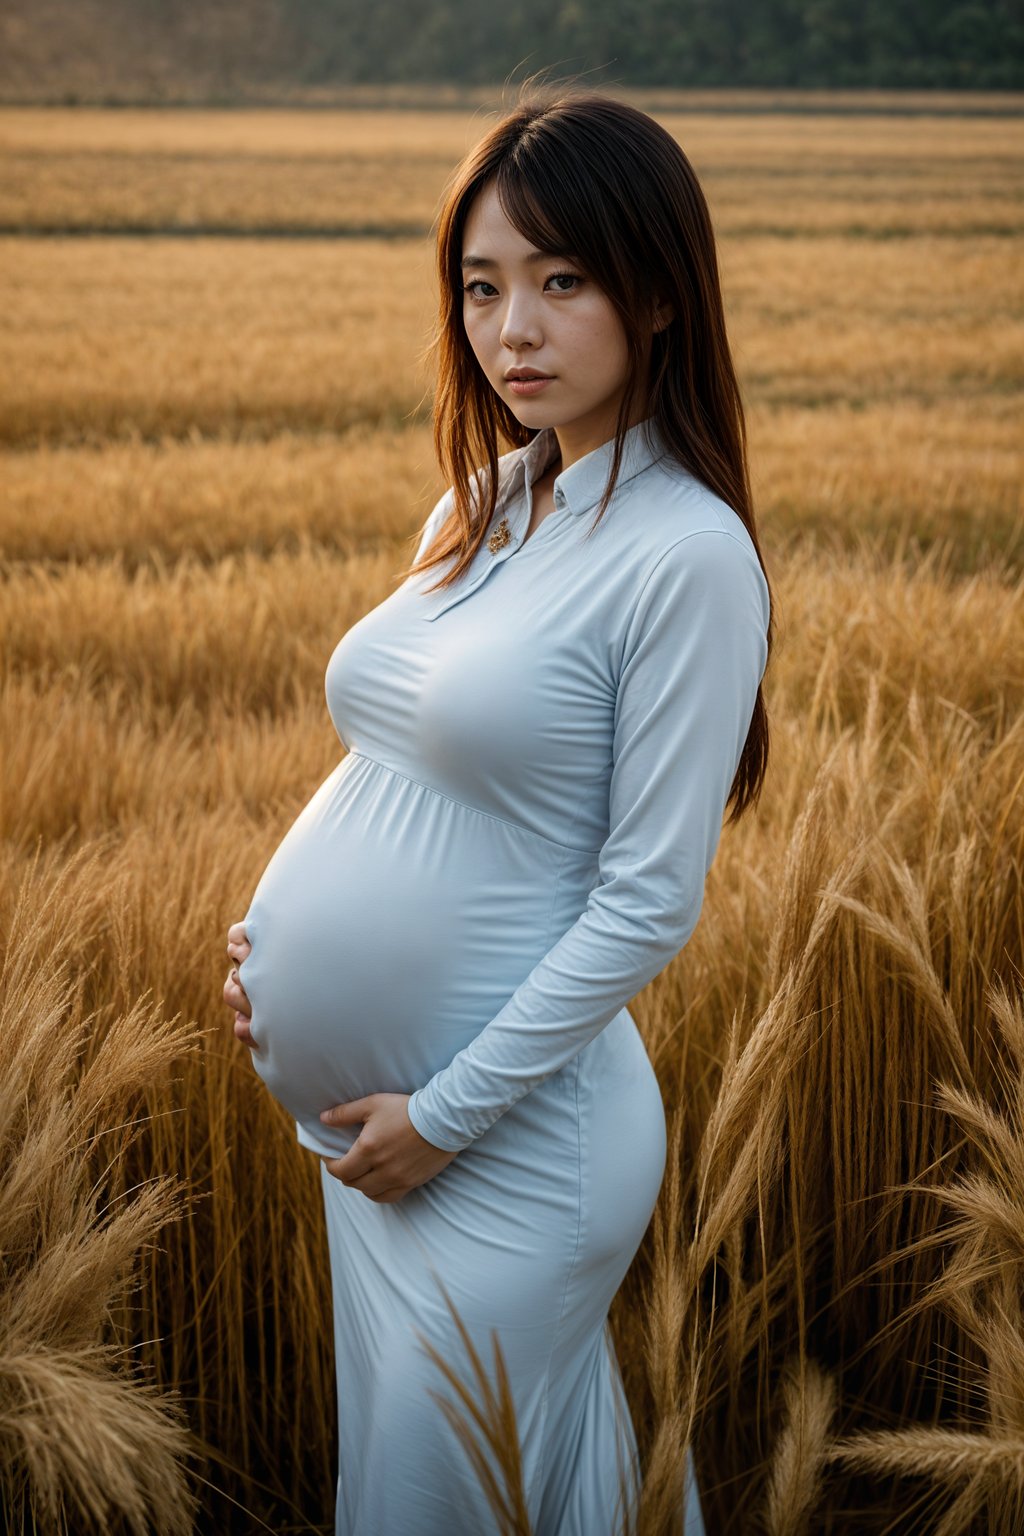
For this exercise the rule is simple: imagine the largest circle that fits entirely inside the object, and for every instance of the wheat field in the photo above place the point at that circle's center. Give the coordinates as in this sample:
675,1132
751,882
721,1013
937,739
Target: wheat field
214,458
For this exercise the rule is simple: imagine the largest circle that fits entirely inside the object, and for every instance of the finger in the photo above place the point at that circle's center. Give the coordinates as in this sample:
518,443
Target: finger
382,1197
237,1000
240,1002
345,1170
234,985
242,1031
348,1112
379,1194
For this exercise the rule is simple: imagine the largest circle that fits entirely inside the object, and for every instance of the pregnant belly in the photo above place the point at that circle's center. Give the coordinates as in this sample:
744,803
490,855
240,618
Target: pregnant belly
390,925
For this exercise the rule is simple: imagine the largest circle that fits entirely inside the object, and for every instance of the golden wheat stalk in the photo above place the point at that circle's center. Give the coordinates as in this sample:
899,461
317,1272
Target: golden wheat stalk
83,1441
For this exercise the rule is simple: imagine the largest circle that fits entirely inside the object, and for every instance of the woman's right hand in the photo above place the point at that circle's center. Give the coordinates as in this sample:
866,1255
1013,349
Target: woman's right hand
234,993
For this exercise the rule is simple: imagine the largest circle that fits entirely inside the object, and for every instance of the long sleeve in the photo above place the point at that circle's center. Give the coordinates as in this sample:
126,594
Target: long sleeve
693,653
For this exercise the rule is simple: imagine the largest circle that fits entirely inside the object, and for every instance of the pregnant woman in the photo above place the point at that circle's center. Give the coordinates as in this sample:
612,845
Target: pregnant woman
543,726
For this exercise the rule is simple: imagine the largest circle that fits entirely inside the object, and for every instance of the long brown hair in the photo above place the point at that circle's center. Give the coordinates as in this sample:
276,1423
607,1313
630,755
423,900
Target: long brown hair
587,173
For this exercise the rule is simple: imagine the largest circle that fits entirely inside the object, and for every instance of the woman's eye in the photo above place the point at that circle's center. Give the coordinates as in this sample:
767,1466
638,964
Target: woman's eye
568,278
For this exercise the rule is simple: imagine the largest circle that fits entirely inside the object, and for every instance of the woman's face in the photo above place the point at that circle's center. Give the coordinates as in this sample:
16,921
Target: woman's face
525,309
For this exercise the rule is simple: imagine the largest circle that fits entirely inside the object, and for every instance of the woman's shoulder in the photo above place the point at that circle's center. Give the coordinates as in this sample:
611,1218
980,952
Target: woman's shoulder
668,509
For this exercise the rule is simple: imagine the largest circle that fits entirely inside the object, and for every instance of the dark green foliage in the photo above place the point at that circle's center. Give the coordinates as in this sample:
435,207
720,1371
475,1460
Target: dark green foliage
221,46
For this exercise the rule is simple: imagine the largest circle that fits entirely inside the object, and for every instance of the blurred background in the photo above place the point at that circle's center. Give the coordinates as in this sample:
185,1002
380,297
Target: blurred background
226,51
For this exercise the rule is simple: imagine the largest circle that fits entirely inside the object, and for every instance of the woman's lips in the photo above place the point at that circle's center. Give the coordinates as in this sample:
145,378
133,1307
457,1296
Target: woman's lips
528,386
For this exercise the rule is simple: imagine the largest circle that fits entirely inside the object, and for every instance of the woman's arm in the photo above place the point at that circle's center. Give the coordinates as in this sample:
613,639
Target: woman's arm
694,653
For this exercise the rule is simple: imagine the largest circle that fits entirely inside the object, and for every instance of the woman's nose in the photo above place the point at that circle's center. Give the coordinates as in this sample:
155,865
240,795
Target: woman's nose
520,326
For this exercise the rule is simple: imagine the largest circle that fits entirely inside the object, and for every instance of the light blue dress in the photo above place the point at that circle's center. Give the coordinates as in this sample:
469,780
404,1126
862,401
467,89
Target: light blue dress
514,844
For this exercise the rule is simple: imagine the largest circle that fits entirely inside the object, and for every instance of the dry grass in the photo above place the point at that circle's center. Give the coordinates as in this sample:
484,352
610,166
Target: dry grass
160,170
84,1443
203,498
828,1302
119,337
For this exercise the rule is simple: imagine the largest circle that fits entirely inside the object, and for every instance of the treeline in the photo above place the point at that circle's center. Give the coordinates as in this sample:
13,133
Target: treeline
216,46
977,44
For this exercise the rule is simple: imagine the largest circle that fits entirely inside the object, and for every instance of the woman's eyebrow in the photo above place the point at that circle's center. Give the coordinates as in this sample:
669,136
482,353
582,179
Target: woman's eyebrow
486,261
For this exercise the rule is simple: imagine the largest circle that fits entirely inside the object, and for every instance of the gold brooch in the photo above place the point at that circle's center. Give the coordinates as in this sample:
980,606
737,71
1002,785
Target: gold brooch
500,537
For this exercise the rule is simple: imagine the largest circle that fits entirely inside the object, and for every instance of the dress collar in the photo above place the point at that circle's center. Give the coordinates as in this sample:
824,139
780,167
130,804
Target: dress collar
582,485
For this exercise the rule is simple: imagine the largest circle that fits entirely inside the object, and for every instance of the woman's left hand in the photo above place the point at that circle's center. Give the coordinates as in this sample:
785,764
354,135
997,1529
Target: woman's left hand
389,1157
